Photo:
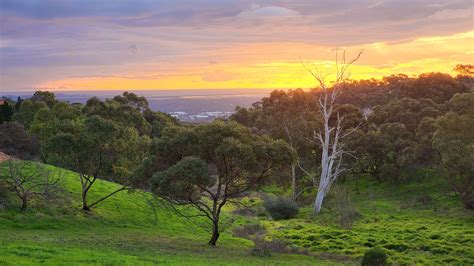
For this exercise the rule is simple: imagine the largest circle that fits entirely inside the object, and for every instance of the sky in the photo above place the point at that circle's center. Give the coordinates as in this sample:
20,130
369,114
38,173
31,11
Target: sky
219,44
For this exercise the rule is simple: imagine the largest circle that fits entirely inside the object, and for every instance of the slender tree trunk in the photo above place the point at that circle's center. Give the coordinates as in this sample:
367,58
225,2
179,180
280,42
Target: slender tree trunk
85,206
293,181
319,201
24,203
215,233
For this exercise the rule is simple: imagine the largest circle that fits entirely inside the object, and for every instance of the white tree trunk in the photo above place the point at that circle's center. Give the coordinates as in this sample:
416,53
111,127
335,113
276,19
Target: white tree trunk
293,181
318,202
330,156
330,140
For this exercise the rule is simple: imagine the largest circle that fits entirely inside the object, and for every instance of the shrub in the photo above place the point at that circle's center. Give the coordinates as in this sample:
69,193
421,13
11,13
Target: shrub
264,248
280,207
344,207
16,141
374,257
249,230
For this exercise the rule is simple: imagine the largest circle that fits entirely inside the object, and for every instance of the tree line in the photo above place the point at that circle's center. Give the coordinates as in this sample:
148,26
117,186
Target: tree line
122,140
400,128
390,130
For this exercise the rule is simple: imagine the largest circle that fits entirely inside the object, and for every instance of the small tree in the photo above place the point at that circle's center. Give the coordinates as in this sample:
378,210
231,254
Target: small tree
17,142
28,180
455,142
228,161
99,148
331,135
6,111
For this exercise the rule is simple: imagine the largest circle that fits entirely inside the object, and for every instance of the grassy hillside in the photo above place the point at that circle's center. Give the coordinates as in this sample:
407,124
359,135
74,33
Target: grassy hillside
418,223
125,229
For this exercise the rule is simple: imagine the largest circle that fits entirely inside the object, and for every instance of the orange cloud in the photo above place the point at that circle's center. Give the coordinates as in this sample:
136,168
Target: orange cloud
277,65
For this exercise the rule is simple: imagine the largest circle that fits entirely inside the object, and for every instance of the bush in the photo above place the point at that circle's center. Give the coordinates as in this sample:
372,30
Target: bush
280,207
16,141
344,207
374,257
264,248
249,230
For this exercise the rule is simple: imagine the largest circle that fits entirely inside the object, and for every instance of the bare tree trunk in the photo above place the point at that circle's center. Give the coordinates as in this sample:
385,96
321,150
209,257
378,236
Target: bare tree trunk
24,203
215,233
85,207
330,138
318,202
293,181
287,131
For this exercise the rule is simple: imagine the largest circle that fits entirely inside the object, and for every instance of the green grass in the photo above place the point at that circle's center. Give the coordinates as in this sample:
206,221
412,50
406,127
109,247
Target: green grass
399,219
126,230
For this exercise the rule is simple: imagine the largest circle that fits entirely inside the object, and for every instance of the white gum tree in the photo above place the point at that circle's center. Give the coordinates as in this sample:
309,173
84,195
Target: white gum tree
331,134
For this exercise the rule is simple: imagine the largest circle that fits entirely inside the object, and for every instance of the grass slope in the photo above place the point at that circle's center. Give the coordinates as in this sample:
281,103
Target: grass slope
122,230
416,223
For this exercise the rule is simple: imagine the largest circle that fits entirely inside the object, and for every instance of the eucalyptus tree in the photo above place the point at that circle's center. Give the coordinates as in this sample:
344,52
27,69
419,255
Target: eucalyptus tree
332,132
454,141
97,148
226,161
30,180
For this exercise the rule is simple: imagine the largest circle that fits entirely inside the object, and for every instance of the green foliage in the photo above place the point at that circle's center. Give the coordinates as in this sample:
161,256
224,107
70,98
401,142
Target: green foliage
237,160
26,113
6,111
344,207
374,257
181,181
125,230
99,147
45,97
16,141
32,182
454,140
433,232
122,110
280,207
392,119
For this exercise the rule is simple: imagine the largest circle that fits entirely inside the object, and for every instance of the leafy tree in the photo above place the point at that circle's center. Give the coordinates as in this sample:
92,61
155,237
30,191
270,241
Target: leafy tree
46,97
227,161
454,141
123,110
131,99
288,116
158,121
62,118
16,141
100,148
6,111
29,180
467,70
368,148
27,111
398,150
436,86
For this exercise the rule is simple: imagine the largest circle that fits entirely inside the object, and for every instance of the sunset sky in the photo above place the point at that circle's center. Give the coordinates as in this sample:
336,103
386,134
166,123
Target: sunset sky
190,44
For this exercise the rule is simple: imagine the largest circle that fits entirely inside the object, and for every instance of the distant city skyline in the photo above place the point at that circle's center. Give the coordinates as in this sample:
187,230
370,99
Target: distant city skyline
223,44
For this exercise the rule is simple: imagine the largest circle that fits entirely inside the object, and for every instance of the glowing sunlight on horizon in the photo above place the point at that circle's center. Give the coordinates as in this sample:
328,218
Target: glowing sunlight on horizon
219,46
